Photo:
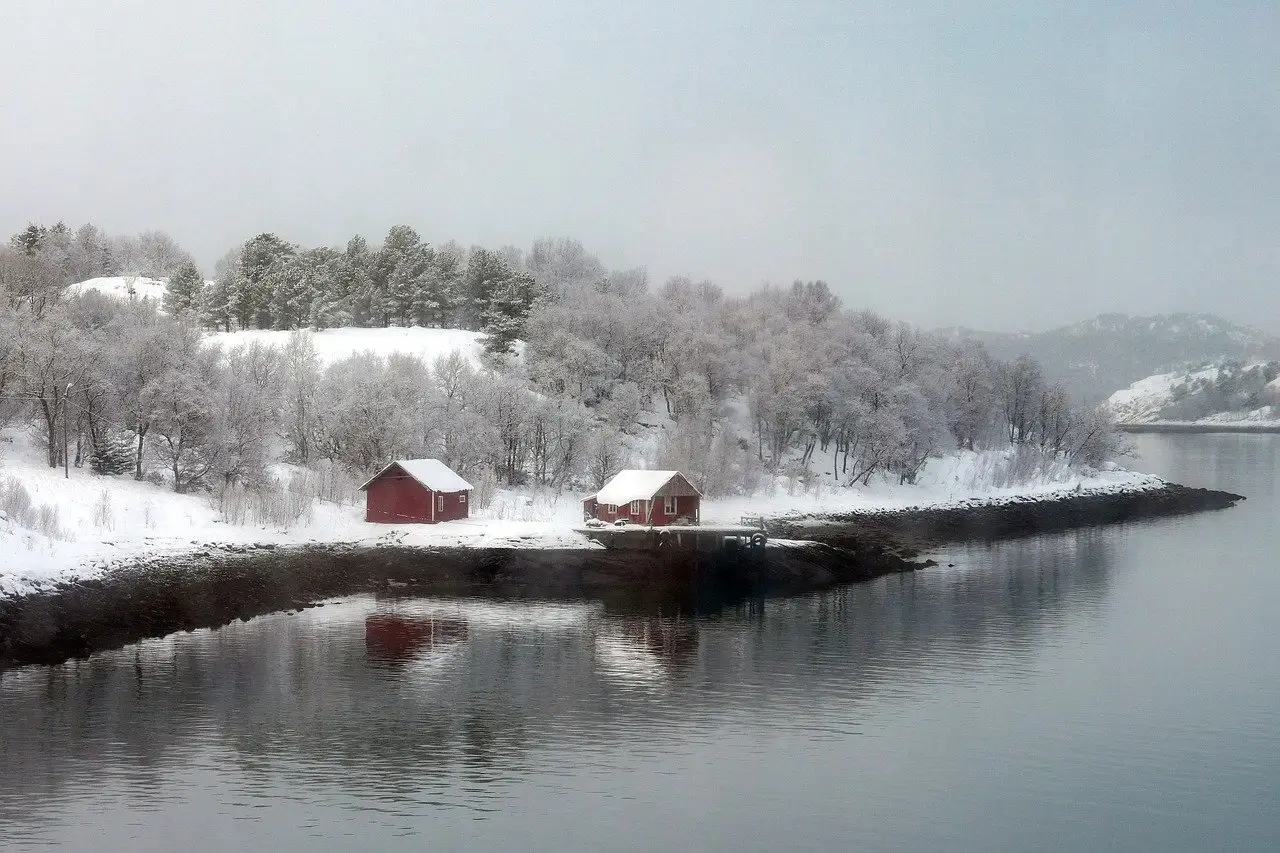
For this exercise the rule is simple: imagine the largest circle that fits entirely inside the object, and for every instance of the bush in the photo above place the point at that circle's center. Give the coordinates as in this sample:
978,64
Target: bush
104,518
16,503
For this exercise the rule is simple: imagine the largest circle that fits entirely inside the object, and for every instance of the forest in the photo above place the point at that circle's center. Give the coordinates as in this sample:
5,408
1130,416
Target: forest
586,370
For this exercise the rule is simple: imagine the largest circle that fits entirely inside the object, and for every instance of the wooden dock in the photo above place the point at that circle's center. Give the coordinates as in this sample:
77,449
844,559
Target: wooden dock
718,537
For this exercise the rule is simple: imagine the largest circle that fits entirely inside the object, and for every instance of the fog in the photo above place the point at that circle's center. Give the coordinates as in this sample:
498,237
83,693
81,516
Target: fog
1011,166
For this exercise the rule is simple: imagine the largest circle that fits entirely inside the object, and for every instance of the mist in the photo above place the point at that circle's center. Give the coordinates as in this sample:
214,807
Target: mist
1011,167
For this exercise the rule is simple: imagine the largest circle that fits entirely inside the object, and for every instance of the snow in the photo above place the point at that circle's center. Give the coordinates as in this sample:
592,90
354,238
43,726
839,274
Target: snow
633,485
965,478
336,344
431,473
1142,402
144,521
122,287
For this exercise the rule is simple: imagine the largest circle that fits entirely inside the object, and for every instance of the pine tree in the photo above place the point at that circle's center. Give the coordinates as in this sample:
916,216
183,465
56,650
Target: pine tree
484,276
184,294
504,316
261,262
436,299
112,454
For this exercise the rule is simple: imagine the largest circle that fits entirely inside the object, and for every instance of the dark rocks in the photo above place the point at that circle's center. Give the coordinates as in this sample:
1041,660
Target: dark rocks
934,526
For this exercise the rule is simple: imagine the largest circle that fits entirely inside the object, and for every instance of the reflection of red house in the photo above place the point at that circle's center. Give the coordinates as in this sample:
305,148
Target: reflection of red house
646,497
391,637
416,490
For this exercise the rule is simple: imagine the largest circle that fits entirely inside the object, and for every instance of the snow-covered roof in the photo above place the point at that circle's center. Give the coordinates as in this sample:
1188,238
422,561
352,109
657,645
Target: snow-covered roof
431,473
633,485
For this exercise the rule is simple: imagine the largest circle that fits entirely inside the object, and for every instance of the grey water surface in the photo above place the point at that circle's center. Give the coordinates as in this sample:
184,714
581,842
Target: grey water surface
1108,689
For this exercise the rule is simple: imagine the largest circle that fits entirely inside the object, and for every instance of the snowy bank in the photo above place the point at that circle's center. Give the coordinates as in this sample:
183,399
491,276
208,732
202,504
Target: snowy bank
107,523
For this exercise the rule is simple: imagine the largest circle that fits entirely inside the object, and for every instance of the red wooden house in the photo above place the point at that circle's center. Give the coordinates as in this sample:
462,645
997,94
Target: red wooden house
654,498
421,491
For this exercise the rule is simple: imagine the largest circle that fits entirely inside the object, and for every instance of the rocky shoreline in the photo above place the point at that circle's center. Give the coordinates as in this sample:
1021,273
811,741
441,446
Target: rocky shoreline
217,586
1202,427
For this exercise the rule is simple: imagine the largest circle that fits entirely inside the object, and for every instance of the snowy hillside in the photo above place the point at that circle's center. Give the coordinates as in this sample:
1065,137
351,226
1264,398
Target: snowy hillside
1223,393
122,287
336,344
1096,356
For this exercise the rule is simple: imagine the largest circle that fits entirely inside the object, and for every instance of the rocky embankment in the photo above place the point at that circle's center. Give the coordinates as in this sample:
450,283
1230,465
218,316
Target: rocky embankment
912,530
217,586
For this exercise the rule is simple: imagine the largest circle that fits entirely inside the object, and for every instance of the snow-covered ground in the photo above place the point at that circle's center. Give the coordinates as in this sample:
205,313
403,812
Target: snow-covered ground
104,522
1145,400
963,478
122,287
336,344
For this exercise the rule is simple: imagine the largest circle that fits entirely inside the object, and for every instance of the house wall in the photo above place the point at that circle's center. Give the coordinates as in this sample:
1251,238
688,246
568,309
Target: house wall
397,499
451,507
687,506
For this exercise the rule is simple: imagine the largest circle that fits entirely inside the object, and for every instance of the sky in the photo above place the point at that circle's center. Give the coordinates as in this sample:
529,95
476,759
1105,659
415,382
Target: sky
1001,165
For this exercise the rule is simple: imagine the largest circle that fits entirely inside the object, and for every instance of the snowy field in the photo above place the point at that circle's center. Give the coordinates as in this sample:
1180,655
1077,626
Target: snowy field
121,287
103,522
336,344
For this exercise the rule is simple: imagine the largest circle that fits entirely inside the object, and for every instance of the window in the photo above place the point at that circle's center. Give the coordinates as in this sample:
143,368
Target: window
439,503
669,506
635,507
462,497
611,508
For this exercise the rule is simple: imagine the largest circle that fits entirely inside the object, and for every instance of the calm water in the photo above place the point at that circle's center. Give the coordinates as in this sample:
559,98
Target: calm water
1109,689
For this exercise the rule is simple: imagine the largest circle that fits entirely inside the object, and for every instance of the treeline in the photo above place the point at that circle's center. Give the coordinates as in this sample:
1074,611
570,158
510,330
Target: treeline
781,381
270,283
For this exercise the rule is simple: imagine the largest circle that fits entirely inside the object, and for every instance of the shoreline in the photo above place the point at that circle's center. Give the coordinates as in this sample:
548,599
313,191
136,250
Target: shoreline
1202,427
158,596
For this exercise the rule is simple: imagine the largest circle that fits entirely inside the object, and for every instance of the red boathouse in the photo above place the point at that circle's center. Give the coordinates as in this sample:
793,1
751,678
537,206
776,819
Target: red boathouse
421,491
656,498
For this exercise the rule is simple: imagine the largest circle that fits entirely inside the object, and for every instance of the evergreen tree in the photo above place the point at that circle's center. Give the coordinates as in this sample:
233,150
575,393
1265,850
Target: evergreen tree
185,291
436,299
485,274
504,316
356,278
29,239
261,262
112,454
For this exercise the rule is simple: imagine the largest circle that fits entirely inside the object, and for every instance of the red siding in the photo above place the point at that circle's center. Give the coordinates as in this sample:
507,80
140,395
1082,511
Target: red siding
686,507
396,498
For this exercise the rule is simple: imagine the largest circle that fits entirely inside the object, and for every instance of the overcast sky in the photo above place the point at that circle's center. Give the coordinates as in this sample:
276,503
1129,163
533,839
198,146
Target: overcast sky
1016,165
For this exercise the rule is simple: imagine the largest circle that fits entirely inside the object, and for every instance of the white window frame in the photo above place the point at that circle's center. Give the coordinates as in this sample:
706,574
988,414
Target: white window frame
462,497
612,509
637,507
669,505
439,502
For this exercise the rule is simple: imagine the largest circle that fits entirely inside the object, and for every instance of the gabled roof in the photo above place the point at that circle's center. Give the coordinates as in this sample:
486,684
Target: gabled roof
627,486
431,473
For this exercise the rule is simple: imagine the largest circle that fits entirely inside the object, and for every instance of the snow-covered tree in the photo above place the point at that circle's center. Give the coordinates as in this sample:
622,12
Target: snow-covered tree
184,292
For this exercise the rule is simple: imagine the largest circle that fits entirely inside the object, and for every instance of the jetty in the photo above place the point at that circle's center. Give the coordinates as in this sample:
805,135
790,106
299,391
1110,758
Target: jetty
643,537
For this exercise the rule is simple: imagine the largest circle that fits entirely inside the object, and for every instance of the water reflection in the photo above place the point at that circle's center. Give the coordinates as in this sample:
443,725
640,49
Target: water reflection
419,703
1095,689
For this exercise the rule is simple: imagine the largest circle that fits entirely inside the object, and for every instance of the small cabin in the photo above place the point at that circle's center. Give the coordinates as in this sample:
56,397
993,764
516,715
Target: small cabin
655,498
416,491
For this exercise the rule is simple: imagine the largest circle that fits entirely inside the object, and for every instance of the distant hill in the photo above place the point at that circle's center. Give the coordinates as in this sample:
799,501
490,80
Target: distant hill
1231,391
1111,351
